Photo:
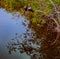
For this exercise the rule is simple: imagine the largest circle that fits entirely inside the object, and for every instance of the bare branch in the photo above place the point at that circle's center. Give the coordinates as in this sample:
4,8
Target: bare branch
55,9
55,22
58,35
53,5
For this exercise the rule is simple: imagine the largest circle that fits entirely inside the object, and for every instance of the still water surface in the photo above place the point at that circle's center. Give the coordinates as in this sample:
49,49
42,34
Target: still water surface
9,26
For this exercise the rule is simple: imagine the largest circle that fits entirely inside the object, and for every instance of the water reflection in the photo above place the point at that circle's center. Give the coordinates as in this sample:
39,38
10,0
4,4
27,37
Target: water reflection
25,43
9,26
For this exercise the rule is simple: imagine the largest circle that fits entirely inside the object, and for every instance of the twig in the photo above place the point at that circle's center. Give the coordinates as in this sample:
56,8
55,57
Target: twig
58,35
55,9
57,23
39,11
53,5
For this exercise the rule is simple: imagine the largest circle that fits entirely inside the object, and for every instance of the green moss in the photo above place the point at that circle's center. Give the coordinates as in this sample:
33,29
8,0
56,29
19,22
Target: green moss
42,5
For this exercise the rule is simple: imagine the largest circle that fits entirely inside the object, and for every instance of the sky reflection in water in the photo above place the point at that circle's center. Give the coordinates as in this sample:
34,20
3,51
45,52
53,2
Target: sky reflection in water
9,26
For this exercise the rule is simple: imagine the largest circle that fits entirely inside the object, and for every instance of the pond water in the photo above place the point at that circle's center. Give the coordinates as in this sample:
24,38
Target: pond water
9,26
